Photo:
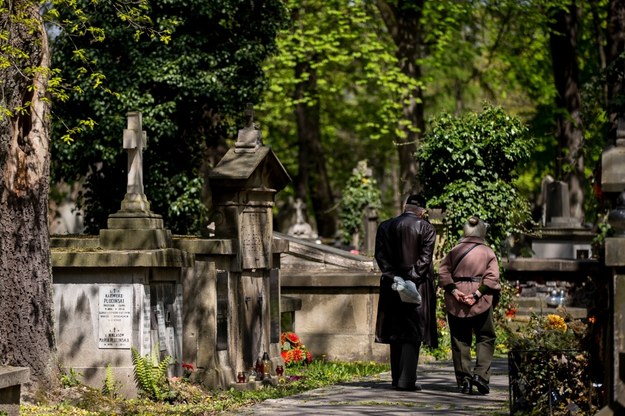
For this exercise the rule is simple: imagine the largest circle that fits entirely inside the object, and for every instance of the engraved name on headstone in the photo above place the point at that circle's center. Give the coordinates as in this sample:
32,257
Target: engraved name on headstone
255,248
115,316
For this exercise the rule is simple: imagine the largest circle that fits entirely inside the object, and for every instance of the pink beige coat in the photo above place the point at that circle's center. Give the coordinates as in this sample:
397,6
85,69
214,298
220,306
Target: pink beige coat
479,262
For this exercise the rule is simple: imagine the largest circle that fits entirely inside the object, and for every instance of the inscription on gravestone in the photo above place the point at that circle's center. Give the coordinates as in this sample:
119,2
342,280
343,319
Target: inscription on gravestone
115,316
255,248
146,322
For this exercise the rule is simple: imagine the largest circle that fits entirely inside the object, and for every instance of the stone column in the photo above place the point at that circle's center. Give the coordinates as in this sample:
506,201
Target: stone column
613,182
243,187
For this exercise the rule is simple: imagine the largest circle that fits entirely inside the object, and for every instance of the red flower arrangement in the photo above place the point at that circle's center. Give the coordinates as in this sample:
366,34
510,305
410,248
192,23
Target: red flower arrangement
292,350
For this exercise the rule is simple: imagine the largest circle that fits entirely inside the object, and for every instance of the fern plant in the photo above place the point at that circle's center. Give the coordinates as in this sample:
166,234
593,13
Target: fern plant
111,386
151,375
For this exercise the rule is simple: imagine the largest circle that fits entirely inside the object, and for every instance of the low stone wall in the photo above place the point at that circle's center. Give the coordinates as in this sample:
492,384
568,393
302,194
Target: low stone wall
11,380
337,314
337,299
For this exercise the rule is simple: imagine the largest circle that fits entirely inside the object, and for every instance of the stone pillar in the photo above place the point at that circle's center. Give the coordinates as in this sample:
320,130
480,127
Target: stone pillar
613,181
370,227
243,186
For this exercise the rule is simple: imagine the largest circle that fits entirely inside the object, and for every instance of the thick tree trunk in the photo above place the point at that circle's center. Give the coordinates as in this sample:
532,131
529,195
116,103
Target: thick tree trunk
27,335
403,21
312,179
570,162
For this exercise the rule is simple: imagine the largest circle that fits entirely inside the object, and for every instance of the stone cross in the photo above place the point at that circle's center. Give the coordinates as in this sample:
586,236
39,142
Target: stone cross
135,141
301,229
249,138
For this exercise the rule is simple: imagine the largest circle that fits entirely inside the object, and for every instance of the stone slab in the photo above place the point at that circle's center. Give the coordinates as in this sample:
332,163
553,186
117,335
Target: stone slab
550,265
615,252
207,246
134,223
135,239
317,279
612,172
11,376
168,257
11,379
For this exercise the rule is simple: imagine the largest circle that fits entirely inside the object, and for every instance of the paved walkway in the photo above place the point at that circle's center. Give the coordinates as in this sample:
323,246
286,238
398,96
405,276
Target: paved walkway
374,396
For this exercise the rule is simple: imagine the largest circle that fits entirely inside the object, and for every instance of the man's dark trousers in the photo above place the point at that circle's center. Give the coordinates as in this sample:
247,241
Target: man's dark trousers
404,359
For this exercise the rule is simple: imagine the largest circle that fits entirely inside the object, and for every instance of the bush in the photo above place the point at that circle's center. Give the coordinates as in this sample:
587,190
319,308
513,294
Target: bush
549,366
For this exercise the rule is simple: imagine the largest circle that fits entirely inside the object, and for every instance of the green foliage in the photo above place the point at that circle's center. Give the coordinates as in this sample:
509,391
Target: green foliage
549,357
468,165
360,88
70,378
151,375
193,400
111,386
192,92
549,332
360,193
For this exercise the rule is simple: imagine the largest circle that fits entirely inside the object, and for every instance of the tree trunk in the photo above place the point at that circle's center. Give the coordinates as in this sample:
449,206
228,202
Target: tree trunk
403,21
570,133
616,64
312,179
27,335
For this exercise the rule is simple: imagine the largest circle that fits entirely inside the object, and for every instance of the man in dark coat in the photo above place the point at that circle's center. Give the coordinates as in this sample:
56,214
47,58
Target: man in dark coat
404,247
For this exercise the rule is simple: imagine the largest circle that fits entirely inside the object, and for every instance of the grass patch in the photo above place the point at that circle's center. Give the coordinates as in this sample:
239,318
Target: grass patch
193,399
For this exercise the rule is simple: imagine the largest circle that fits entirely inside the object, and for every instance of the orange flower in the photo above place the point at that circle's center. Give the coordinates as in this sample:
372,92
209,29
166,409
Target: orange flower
555,322
287,356
293,339
293,351
298,355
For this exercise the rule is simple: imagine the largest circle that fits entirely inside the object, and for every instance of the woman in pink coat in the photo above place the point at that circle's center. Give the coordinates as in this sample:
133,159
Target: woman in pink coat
469,273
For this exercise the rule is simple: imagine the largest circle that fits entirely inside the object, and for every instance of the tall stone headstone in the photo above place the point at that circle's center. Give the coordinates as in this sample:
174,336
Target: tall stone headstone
243,186
613,182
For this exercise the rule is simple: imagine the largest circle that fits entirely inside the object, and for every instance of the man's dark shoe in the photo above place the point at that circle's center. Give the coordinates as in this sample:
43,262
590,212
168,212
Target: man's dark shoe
417,387
480,384
465,387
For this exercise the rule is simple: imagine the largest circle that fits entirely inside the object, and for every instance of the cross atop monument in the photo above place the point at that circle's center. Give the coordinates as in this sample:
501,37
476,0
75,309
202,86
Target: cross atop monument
134,226
249,138
135,140
249,114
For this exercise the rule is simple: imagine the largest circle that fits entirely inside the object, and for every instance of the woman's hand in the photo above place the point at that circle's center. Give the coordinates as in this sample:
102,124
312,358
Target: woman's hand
458,295
472,298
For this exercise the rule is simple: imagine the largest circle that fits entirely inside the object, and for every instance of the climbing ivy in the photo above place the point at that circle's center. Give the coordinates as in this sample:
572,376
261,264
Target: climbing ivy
360,193
469,166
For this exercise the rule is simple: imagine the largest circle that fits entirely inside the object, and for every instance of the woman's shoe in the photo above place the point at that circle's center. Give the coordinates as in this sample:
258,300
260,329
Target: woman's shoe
480,384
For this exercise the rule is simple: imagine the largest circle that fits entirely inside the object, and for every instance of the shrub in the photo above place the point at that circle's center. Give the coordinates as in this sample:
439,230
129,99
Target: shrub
549,366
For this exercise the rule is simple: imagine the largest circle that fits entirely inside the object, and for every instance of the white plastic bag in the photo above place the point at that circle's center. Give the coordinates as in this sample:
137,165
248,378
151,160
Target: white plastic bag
407,290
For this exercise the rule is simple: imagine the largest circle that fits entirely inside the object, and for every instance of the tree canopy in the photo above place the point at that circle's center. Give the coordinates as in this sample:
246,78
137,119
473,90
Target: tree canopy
192,91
